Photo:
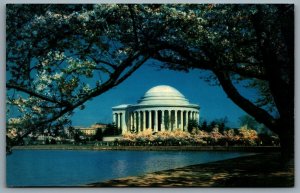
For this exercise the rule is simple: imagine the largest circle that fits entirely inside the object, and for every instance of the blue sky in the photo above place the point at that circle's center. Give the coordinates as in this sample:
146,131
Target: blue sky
212,100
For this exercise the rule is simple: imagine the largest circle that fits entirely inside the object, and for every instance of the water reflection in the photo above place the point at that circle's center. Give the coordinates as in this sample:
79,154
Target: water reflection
71,168
119,168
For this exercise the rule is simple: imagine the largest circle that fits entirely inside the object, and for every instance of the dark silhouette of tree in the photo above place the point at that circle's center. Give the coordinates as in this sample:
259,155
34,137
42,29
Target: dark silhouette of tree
111,130
53,51
240,45
204,126
78,137
192,125
246,45
211,125
98,135
221,123
248,121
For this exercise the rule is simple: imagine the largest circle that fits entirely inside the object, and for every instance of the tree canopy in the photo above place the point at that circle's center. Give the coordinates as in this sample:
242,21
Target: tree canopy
247,45
60,56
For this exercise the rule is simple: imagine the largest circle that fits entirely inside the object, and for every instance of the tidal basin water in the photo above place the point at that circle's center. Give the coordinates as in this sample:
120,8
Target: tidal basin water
75,168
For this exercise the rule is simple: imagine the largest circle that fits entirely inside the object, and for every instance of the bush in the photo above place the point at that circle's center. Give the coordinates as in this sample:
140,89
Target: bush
242,136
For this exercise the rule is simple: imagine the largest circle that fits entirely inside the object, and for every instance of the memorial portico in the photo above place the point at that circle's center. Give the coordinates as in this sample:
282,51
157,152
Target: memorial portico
161,108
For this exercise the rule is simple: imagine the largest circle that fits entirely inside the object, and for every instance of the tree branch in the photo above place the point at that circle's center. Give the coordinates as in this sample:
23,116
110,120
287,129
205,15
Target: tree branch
133,69
259,114
113,81
132,14
199,63
32,93
280,73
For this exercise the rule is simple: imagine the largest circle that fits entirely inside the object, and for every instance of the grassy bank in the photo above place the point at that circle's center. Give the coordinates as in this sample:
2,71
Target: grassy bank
261,170
153,148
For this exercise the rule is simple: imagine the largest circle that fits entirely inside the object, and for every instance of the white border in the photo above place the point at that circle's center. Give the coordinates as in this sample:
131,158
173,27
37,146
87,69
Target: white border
110,190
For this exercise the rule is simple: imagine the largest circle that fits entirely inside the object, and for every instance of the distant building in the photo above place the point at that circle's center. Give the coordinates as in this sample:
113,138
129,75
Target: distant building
89,131
161,108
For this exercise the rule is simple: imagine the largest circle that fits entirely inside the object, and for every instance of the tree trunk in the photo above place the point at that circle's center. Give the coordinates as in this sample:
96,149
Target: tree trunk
286,136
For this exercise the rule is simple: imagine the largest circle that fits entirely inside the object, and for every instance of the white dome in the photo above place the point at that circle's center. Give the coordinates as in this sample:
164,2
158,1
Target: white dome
163,95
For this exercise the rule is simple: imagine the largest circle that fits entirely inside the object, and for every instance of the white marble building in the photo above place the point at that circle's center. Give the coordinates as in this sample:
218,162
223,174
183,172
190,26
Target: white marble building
161,108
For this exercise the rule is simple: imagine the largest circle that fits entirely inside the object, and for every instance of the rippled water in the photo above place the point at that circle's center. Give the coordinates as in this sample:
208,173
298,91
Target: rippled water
74,168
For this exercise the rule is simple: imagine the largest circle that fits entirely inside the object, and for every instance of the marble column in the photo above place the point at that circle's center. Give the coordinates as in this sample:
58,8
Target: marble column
176,120
144,120
169,120
131,121
118,120
150,119
156,121
181,120
186,120
114,118
134,121
141,120
163,120
124,127
116,123
138,121
172,119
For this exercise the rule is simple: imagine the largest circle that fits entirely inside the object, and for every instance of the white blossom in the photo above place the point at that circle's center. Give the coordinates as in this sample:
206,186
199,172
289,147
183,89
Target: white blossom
86,88
12,133
59,55
57,76
14,121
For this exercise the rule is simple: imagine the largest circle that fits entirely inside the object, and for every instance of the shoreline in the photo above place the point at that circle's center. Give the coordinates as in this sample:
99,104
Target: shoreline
259,170
258,149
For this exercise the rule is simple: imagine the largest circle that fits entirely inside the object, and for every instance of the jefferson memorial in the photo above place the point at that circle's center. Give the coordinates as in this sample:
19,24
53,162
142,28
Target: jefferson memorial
161,108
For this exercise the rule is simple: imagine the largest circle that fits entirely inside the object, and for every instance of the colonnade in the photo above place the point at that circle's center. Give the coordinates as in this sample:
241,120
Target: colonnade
157,120
119,119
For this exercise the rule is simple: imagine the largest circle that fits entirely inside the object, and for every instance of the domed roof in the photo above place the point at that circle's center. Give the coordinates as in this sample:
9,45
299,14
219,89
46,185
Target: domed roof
163,95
